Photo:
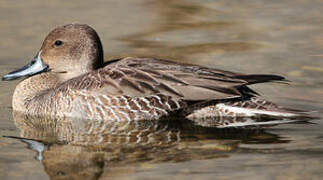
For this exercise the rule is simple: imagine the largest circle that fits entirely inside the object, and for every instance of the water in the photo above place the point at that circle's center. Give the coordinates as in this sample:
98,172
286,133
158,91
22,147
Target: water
280,37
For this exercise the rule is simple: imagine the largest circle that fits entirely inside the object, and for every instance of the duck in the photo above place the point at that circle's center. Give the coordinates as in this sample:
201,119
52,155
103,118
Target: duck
69,78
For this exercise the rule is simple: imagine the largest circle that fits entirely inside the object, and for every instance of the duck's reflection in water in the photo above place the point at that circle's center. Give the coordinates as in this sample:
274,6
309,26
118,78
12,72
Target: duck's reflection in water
84,149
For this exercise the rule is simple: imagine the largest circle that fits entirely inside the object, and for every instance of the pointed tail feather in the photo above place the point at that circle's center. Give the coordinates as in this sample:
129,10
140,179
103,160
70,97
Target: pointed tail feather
261,78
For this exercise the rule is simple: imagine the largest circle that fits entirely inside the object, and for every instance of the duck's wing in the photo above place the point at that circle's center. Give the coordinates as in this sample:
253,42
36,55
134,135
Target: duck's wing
146,76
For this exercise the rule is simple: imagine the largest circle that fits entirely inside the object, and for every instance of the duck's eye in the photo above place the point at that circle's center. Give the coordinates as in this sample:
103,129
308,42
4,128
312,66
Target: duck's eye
58,43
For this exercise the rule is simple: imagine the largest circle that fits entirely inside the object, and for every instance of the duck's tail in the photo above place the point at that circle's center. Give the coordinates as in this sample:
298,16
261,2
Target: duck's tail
254,112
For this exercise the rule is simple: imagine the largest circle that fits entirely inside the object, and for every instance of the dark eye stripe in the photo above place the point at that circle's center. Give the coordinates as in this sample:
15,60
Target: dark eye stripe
58,43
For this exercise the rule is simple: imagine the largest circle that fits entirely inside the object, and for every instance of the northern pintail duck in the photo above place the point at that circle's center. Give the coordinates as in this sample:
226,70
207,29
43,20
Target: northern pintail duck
68,78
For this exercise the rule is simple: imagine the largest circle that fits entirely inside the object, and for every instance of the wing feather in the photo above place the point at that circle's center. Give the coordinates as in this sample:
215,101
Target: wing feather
147,76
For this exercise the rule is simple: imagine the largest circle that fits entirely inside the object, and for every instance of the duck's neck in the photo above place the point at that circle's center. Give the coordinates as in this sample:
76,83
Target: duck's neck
31,87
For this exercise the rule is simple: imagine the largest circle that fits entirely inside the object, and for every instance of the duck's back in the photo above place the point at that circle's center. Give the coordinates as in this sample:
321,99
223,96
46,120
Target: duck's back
148,76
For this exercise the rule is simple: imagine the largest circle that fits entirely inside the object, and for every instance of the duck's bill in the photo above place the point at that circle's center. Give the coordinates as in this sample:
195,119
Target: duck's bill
34,67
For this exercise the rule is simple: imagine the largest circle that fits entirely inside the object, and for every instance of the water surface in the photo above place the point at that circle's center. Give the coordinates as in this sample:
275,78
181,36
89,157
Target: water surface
281,37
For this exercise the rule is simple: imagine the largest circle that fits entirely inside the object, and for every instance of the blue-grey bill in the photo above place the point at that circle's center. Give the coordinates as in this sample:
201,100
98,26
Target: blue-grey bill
34,67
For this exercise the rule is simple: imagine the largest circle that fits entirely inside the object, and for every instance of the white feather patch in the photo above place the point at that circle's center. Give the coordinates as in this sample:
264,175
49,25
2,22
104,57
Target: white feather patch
252,112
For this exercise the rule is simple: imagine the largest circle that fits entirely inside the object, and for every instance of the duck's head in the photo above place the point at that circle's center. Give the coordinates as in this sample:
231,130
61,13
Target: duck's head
69,51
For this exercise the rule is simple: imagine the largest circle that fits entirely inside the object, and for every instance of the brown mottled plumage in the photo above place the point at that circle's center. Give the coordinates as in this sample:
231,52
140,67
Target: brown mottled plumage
74,83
